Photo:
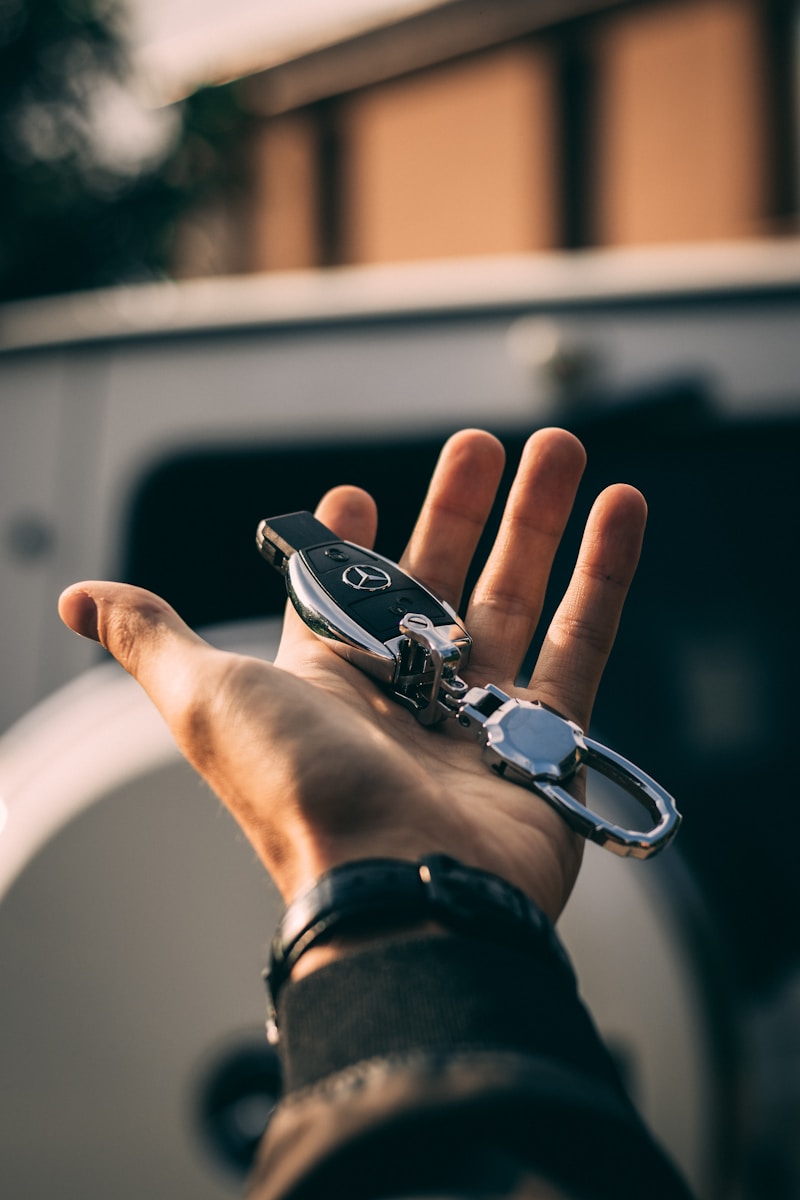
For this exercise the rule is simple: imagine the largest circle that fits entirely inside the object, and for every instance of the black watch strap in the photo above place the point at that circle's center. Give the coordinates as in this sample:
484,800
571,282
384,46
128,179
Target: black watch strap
377,894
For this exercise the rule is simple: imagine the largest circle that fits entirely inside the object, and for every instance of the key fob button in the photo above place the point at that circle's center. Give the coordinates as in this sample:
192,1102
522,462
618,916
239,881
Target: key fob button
380,614
323,560
400,605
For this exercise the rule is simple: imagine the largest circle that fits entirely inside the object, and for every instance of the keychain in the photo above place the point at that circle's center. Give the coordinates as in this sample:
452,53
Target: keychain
391,627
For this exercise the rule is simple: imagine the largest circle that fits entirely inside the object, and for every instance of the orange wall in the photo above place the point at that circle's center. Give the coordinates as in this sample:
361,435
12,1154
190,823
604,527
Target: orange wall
458,160
680,151
284,199
463,158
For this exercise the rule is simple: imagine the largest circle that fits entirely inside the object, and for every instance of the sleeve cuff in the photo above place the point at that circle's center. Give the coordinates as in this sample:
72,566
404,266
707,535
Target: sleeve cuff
430,1055
434,993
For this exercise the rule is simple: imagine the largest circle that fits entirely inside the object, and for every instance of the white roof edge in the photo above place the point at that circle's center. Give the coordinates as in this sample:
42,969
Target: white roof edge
251,41
455,285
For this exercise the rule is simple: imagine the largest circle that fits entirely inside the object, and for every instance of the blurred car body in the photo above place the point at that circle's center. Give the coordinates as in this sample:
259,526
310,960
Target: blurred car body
144,432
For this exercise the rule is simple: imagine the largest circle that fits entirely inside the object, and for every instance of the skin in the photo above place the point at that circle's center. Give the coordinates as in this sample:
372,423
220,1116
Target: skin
319,766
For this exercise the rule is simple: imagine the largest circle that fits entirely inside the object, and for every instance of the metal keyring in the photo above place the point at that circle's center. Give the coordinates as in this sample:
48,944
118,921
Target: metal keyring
529,744
626,842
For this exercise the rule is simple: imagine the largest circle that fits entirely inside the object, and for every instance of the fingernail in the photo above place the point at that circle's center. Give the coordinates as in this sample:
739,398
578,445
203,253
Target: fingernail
84,616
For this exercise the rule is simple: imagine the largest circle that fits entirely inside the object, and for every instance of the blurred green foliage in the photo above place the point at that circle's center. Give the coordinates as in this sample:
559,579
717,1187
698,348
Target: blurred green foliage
72,214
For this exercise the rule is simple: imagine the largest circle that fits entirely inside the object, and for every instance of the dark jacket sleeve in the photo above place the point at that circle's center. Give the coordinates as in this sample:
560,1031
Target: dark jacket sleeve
452,1066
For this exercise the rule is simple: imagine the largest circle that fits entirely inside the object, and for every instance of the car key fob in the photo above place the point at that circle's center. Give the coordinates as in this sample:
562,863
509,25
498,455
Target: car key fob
390,626
373,614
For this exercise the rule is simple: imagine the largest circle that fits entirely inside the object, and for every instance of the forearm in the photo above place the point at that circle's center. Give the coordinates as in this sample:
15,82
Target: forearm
420,1060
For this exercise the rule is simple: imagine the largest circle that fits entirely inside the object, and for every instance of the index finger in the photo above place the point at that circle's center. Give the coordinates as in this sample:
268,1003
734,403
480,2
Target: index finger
457,505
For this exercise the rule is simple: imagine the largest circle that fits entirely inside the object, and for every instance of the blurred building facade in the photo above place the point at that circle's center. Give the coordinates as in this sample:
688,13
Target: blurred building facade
469,129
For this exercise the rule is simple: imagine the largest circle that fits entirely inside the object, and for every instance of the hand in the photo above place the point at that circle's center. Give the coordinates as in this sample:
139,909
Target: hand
317,764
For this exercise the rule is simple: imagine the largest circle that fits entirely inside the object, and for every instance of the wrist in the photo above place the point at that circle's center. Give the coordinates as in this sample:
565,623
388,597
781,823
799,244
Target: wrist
346,945
375,898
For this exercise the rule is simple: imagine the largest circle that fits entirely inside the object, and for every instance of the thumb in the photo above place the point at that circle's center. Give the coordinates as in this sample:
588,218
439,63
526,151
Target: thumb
146,636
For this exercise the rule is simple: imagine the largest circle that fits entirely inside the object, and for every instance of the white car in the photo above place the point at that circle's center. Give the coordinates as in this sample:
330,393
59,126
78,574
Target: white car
144,433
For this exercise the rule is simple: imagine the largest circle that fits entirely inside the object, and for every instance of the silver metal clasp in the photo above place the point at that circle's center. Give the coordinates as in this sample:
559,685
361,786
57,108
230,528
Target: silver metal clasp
429,680
531,745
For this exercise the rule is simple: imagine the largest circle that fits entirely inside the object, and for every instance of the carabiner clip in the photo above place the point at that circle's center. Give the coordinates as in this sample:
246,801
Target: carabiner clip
531,745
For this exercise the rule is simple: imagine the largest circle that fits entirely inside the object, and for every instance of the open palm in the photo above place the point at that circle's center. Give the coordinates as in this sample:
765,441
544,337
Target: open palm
321,767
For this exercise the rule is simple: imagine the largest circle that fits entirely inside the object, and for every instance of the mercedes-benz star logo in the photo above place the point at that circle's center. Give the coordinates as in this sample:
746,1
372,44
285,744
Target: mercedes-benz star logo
366,578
